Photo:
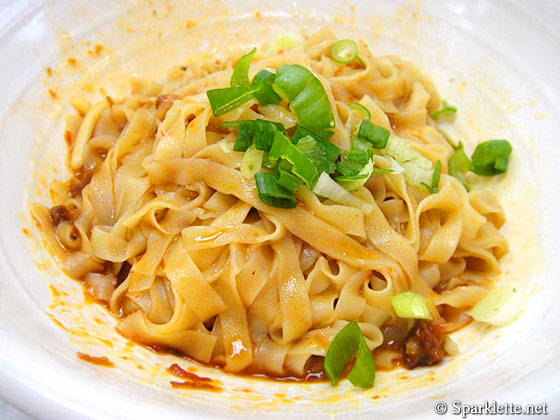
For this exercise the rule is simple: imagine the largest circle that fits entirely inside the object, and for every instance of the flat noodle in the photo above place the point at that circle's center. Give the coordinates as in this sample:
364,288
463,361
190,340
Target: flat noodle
166,229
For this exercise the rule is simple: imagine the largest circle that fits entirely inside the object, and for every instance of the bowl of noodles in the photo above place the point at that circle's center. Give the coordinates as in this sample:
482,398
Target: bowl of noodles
217,210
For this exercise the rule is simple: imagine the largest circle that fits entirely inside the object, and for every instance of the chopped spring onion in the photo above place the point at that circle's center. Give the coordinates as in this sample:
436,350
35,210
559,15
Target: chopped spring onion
362,374
273,194
353,161
279,144
362,176
344,51
436,175
333,152
500,306
302,166
376,135
289,181
267,163
285,41
264,133
252,162
415,174
226,146
359,144
446,109
262,82
458,165
291,80
357,165
326,187
396,168
410,305
346,343
240,75
417,168
285,178
382,170
245,136
225,100
491,157
231,124
349,168
353,182
260,132
316,152
307,98
356,107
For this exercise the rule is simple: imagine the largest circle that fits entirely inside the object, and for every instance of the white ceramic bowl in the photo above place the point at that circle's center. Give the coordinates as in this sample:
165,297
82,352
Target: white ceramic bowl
498,61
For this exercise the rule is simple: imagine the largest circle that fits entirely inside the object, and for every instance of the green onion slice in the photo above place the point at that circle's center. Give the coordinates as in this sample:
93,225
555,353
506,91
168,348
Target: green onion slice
285,41
285,178
353,182
252,162
267,163
349,168
344,51
345,344
240,75
356,107
357,165
260,132
383,170
316,152
436,175
491,157
279,145
231,124
262,82
353,161
302,165
272,194
332,151
359,144
410,305
326,187
458,166
500,306
363,373
225,100
226,146
417,168
289,181
264,133
376,135
446,109
245,135
307,98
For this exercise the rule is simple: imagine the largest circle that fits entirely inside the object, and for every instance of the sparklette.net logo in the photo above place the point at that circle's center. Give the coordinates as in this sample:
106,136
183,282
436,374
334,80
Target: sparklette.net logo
490,408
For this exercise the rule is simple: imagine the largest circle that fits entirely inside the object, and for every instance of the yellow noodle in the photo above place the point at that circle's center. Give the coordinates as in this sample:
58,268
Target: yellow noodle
218,275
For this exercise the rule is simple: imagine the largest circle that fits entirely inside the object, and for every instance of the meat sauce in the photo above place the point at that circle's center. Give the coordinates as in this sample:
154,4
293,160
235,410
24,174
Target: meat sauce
424,345
58,214
421,345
